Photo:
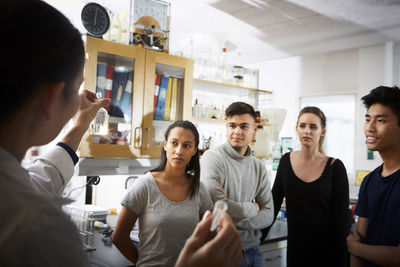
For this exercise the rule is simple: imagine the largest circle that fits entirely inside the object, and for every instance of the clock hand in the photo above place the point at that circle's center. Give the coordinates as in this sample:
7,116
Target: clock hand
95,17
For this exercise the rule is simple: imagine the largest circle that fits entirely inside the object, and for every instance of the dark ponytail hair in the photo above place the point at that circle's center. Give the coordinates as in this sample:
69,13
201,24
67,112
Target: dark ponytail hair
193,167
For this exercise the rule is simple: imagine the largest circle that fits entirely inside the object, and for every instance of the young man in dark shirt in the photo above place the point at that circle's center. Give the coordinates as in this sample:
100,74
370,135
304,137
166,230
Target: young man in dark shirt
376,240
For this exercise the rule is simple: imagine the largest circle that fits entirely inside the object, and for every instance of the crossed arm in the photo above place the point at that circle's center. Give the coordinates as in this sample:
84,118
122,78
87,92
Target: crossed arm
245,214
380,255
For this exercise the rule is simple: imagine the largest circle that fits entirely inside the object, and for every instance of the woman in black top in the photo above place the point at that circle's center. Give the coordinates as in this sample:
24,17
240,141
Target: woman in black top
316,190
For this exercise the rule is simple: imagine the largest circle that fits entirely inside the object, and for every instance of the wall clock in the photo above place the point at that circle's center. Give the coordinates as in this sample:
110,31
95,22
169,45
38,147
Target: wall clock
95,19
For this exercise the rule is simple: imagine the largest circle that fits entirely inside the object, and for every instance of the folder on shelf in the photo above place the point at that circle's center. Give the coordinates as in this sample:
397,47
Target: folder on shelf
101,78
168,101
174,95
179,99
162,96
156,90
126,98
120,77
108,86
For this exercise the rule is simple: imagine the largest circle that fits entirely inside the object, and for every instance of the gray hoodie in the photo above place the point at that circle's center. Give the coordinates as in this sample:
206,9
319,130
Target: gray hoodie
244,179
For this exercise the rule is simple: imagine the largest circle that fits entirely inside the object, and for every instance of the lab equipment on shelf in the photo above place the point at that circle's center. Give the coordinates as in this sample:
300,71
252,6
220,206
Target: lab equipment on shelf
84,217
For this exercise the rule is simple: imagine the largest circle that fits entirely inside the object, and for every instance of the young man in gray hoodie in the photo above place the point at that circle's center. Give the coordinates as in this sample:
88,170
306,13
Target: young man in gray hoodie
232,174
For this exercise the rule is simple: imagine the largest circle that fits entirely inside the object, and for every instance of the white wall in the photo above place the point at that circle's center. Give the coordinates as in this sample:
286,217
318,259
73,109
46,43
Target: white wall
107,194
352,71
370,75
284,78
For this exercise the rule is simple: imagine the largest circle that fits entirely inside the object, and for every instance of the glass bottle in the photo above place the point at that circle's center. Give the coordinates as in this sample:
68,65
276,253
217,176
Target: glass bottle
196,109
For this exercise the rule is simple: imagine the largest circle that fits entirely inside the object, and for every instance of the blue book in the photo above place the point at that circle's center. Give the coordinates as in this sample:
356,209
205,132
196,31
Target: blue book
120,77
162,96
101,78
126,99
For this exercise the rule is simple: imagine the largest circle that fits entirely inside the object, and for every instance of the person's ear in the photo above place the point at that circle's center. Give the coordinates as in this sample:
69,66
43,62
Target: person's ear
323,132
50,96
195,151
165,145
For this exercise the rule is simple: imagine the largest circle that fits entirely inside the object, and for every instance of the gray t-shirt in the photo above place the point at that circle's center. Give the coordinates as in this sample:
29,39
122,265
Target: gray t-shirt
164,224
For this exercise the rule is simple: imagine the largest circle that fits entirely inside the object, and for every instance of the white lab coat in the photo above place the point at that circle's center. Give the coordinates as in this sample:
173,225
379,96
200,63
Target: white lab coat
34,230
51,172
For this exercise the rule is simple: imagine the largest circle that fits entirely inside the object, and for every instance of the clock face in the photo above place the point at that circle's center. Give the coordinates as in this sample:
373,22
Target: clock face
95,19
152,8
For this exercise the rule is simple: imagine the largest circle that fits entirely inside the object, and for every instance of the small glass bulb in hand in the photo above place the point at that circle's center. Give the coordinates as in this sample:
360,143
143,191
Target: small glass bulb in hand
219,208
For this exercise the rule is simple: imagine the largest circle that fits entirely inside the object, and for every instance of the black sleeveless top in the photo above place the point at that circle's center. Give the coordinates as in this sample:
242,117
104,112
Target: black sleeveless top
317,214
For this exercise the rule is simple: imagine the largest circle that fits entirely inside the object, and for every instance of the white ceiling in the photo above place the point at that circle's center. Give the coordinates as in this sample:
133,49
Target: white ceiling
259,30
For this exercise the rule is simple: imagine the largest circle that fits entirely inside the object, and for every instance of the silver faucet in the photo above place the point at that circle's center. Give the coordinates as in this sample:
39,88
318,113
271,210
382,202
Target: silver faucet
127,179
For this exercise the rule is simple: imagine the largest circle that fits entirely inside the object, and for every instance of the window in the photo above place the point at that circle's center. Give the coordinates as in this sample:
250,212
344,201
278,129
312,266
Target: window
339,111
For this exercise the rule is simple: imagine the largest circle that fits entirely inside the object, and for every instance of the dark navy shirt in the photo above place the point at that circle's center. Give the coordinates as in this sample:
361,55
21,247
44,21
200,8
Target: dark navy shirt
379,201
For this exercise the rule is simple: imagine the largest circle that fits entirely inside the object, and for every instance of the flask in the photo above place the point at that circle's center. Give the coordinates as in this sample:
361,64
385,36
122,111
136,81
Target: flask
196,111
115,29
224,67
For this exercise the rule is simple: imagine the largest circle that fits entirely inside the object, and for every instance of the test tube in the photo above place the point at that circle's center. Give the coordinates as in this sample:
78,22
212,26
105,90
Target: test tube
219,207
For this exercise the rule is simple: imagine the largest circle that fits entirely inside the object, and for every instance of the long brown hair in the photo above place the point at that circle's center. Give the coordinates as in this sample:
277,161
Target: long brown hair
316,111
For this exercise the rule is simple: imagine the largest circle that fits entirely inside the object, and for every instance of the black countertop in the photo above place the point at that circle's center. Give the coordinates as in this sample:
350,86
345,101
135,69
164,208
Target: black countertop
105,253
278,232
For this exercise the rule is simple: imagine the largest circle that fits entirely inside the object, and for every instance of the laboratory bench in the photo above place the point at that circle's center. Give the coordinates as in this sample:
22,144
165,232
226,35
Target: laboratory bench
106,254
273,248
278,232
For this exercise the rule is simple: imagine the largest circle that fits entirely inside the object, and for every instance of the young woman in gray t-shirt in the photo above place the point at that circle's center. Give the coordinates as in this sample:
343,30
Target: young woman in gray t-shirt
168,201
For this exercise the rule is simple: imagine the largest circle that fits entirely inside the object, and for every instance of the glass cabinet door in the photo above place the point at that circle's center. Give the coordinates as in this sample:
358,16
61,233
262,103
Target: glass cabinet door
114,71
114,78
167,97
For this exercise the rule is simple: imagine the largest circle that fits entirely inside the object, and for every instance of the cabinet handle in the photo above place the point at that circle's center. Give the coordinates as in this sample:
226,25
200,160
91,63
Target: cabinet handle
273,259
140,136
148,138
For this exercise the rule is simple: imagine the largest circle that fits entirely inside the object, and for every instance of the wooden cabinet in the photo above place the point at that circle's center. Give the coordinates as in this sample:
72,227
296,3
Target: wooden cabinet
173,66
132,133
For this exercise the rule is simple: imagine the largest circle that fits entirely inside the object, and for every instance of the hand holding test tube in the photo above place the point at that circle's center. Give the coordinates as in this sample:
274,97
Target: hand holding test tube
223,250
219,207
